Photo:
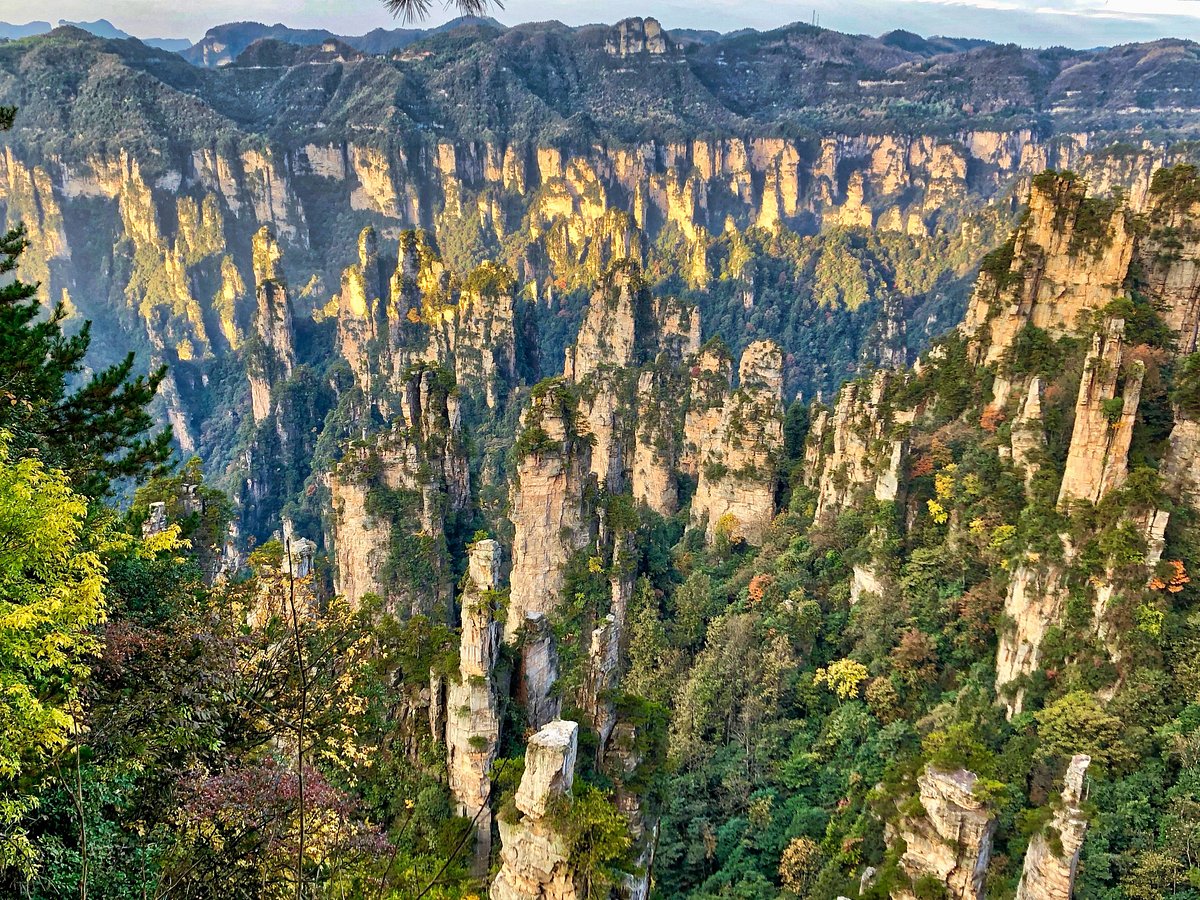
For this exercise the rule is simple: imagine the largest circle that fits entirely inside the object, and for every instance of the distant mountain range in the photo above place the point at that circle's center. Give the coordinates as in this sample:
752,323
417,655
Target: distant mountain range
223,44
101,28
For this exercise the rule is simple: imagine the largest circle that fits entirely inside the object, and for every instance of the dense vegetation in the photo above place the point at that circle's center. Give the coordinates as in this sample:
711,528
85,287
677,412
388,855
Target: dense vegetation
167,732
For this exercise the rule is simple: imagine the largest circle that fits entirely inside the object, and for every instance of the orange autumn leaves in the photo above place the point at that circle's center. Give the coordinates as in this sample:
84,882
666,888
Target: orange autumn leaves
1174,582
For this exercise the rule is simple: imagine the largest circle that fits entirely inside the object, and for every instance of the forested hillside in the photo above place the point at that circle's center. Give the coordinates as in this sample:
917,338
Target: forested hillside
564,520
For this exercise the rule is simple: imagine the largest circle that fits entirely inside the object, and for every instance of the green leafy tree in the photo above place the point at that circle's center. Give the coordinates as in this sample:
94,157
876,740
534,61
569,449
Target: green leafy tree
51,594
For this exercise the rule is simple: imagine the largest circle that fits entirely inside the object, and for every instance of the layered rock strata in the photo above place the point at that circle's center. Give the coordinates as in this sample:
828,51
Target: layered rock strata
533,856
951,840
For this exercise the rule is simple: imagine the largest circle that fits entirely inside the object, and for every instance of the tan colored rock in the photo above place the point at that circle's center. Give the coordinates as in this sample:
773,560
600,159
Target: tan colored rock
841,458
708,392
736,486
539,670
472,707
274,356
549,511
1034,603
422,457
1181,476
533,858
1055,276
1028,435
1049,871
362,316
637,35
952,840
1097,461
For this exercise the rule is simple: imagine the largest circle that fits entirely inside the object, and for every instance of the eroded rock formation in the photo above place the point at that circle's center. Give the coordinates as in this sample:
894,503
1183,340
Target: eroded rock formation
951,841
533,856
1104,418
393,499
736,486
472,704
1053,854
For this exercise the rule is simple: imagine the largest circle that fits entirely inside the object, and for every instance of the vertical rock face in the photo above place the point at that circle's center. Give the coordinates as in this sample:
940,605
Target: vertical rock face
1097,459
1179,470
533,859
484,334
1071,255
708,391
737,474
362,315
273,357
952,841
1170,260
1049,871
550,512
637,35
552,519
840,457
392,501
656,441
627,361
1034,602
472,707
1028,431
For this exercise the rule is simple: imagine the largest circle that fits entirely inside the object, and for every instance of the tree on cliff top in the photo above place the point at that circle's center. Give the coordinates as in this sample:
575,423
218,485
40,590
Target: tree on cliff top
95,434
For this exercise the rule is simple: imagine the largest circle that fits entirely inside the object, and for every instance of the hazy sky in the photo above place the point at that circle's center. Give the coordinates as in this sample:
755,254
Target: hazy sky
1077,23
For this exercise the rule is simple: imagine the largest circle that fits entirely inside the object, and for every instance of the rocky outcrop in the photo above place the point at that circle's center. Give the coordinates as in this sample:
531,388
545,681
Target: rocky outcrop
550,513
552,519
1028,433
362,317
1105,411
850,450
634,36
736,487
272,356
1169,257
707,394
533,857
472,704
1070,256
951,840
1034,602
393,499
657,433
1053,854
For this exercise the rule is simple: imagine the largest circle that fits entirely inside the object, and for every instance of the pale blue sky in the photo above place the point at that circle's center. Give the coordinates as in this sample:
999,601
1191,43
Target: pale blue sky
1077,23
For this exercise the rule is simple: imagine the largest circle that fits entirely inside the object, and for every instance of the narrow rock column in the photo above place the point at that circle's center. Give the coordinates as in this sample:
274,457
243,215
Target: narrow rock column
272,357
533,858
1049,872
952,840
1098,457
472,708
